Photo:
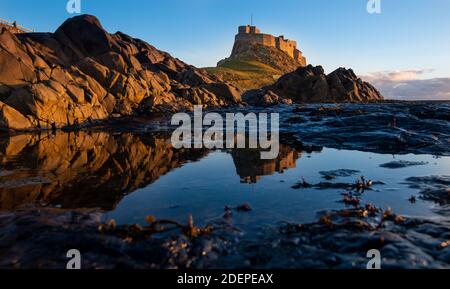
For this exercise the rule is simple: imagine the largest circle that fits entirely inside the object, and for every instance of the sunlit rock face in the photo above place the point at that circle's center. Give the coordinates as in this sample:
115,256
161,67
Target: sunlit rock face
81,74
83,170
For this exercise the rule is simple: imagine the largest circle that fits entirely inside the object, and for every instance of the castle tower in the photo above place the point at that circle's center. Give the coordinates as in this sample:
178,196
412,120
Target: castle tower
248,29
248,35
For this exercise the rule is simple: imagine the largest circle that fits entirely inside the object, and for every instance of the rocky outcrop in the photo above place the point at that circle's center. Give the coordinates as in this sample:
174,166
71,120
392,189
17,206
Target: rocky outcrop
310,84
270,56
258,59
81,74
252,66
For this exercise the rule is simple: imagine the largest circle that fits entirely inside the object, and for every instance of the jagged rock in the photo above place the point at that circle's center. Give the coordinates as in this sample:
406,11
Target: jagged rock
12,119
82,74
311,84
250,40
258,59
345,86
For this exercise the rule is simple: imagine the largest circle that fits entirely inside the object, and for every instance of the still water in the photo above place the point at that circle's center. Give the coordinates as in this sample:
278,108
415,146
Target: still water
130,176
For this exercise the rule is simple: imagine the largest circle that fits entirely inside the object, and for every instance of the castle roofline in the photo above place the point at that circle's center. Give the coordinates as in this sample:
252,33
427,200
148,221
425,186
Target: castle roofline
251,29
248,29
251,34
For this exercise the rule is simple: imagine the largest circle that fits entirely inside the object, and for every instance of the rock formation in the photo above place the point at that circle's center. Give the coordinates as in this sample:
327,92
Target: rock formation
258,59
249,37
311,84
81,74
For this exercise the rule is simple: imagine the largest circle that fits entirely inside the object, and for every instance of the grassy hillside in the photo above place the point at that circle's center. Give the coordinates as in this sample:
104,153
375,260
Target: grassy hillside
255,66
246,74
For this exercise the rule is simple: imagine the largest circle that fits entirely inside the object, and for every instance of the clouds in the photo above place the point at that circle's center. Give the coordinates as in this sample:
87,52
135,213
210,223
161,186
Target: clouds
409,85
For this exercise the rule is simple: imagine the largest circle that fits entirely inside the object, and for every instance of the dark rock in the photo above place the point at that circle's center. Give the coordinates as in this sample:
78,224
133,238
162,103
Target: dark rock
340,240
402,164
433,188
244,208
311,84
368,127
330,175
263,98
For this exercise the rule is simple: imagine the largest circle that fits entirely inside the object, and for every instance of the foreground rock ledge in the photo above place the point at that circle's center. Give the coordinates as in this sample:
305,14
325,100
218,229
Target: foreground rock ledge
81,74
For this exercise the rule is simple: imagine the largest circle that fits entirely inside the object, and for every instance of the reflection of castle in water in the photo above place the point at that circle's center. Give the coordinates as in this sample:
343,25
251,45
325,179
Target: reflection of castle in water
97,169
250,167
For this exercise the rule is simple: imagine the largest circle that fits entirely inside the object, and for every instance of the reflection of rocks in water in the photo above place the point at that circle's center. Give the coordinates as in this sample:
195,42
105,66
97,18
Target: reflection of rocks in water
250,167
84,169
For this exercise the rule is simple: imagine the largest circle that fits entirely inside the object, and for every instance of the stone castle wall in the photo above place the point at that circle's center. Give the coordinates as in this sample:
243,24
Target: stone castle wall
251,34
13,27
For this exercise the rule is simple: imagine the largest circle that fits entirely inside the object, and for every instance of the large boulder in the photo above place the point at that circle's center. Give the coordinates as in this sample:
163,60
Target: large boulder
87,34
82,74
310,84
345,86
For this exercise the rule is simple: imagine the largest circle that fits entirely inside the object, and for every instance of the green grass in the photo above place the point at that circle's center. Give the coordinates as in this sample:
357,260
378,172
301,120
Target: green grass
250,66
246,74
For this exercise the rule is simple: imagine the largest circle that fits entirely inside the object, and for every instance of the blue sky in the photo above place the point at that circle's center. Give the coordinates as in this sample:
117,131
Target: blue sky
409,35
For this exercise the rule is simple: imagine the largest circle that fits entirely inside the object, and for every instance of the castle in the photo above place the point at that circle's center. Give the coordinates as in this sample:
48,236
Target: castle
13,27
251,34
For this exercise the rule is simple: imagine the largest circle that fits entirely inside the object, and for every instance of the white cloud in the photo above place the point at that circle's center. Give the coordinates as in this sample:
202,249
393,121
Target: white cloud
410,85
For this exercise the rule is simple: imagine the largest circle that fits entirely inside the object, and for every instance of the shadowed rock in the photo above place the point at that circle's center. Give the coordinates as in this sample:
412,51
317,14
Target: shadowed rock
402,164
339,239
376,127
433,188
311,84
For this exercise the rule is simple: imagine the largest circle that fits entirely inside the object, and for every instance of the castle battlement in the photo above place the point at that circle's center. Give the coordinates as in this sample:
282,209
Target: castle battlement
13,26
251,34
